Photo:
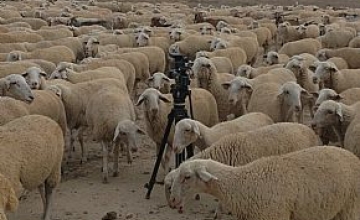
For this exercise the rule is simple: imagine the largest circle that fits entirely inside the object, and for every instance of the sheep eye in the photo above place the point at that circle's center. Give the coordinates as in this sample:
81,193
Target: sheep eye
187,177
187,130
286,92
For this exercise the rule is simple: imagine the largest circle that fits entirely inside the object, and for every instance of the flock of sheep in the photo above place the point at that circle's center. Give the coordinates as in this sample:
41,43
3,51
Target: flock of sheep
70,68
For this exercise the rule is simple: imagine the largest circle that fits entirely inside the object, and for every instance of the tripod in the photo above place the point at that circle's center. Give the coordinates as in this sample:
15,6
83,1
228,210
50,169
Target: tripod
179,92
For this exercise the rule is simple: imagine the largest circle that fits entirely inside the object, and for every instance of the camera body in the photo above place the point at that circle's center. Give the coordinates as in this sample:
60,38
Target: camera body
180,89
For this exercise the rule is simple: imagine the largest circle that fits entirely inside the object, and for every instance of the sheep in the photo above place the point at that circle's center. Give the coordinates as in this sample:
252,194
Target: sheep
249,72
311,31
160,82
273,57
188,131
157,106
264,36
208,78
190,45
125,67
241,88
35,23
110,116
11,109
35,77
280,102
226,150
100,73
15,86
76,98
339,62
355,42
307,59
351,140
223,64
144,40
336,39
236,55
304,78
236,189
307,45
36,164
155,55
54,54
20,36
139,60
249,45
177,34
338,80
350,55
287,34
348,97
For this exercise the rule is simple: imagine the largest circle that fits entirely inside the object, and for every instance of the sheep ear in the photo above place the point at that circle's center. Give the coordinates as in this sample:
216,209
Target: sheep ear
226,85
140,100
12,201
141,131
163,98
42,73
24,74
148,80
205,176
116,133
339,112
166,79
248,87
312,68
337,97
196,129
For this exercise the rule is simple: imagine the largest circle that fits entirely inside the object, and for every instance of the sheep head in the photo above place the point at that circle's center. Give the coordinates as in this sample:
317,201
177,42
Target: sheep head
187,131
329,113
239,89
34,77
205,71
15,86
326,94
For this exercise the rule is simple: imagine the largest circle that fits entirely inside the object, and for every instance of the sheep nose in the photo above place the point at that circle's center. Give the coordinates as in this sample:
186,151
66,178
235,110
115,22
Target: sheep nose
35,84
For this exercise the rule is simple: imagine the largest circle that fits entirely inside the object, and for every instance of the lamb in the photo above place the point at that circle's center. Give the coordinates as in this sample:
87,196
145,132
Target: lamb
336,39
157,106
335,115
350,55
307,45
110,116
246,200
188,131
76,98
236,55
280,102
249,45
273,57
36,164
190,45
250,72
338,80
208,78
54,54
15,86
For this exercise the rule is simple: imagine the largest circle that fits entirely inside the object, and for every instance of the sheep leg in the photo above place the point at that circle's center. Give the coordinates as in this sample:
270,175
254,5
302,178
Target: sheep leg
116,160
105,162
49,199
84,152
129,155
41,189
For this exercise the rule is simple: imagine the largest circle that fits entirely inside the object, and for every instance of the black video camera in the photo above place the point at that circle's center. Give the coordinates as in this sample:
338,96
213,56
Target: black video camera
181,75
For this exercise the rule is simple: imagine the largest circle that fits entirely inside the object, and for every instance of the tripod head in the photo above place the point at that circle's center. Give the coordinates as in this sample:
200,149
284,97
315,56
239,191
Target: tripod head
180,73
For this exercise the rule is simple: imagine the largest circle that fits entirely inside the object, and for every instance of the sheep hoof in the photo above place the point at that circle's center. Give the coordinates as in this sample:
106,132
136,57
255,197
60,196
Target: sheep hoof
115,174
105,180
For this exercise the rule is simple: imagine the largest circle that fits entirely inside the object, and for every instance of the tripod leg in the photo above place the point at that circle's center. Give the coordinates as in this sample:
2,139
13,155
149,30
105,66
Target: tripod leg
151,183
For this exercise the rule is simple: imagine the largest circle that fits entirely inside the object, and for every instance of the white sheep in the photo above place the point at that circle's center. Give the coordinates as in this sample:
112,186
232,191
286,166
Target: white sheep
310,31
145,40
253,191
281,138
34,165
188,131
236,55
190,45
223,64
339,62
307,45
208,78
348,97
335,115
157,106
160,82
280,102
35,77
15,86
338,80
273,57
336,39
350,55
110,116
250,72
